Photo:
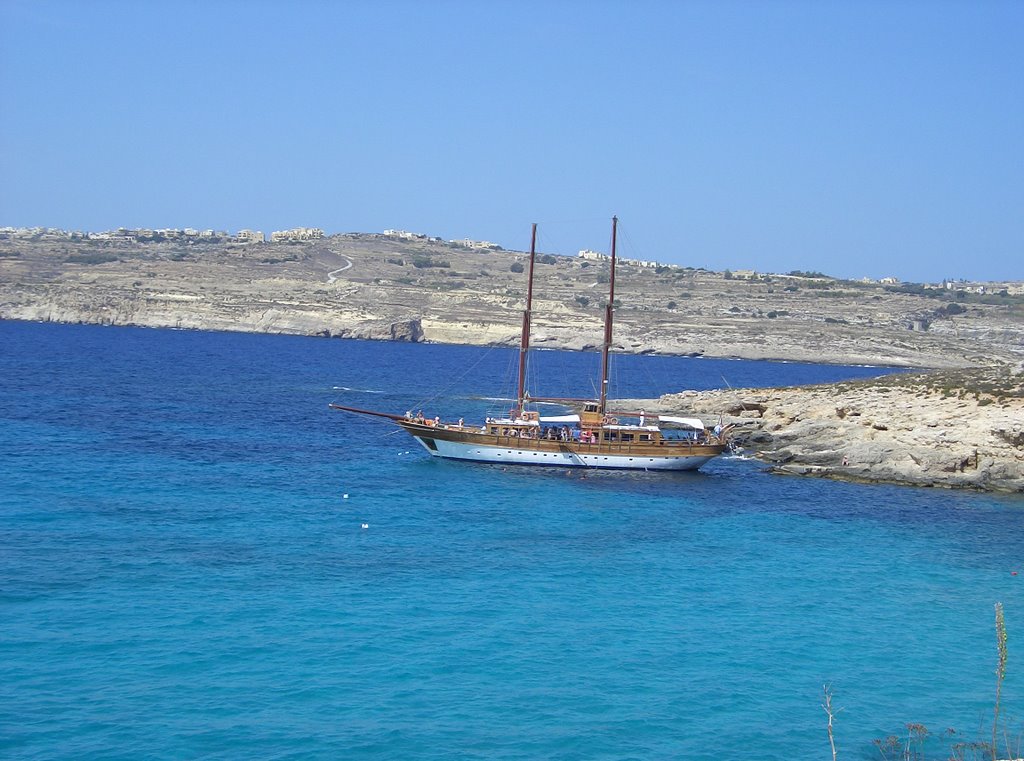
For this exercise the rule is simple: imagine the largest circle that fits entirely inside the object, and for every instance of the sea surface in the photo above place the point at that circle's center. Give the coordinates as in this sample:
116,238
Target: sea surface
200,560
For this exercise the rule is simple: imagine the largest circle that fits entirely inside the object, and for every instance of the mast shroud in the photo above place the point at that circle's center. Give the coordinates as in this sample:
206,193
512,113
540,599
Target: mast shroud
524,342
609,308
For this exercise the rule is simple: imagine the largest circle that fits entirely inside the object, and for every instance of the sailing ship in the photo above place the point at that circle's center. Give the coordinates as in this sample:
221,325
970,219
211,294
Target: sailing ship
595,435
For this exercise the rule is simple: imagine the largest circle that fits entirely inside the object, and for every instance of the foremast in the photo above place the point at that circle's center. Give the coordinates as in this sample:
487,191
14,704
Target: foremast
524,342
608,310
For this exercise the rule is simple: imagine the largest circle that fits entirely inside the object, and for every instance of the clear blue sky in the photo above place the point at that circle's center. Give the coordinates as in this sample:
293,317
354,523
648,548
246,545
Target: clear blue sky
854,138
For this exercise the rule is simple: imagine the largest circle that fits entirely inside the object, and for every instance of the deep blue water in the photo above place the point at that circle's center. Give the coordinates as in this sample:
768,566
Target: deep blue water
181,575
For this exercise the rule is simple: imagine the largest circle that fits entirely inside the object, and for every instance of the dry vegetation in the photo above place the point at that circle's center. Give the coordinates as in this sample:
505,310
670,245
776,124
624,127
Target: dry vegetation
997,384
360,284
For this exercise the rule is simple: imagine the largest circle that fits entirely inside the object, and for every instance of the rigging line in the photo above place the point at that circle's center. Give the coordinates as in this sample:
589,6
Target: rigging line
572,220
636,252
497,405
649,375
509,387
729,385
467,371
547,244
563,374
612,374
641,365
381,436
626,242
563,229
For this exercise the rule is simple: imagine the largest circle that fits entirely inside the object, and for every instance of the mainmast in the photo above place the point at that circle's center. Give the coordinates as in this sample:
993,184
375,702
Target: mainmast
524,343
606,347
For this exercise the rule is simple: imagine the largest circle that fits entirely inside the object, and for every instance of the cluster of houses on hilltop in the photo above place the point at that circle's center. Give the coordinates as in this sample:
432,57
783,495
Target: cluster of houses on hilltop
145,235
597,256
1011,288
483,245
296,235
754,275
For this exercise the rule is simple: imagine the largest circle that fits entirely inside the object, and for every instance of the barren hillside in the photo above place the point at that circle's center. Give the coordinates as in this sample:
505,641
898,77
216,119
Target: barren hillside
373,286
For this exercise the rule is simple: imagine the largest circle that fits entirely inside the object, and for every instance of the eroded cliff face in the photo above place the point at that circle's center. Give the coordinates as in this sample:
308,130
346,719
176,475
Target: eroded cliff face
962,429
368,286
185,311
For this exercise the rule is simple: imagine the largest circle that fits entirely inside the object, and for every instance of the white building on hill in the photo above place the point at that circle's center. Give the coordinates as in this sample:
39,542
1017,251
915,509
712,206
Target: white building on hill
296,234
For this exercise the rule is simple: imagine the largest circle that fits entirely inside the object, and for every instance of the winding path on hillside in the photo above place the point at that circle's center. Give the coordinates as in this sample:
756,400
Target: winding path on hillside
333,274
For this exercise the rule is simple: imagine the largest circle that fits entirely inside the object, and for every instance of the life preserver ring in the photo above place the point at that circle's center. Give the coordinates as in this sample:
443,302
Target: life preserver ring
609,420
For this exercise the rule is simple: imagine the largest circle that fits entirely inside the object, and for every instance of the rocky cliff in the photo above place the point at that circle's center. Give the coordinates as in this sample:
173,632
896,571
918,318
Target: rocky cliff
371,286
958,429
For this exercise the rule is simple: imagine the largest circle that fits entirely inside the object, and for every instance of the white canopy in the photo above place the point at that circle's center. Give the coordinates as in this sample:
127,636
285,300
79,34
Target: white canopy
689,422
559,418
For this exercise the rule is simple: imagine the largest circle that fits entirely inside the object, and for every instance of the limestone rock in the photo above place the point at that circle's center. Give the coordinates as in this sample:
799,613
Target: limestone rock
962,429
360,285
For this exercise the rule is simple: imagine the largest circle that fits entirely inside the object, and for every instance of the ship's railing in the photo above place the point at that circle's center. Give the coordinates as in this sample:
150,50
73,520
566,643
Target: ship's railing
637,448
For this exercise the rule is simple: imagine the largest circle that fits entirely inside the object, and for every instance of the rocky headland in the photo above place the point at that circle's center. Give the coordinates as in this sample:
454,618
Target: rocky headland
957,429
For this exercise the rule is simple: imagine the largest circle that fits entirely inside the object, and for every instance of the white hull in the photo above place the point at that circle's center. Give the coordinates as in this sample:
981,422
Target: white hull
458,450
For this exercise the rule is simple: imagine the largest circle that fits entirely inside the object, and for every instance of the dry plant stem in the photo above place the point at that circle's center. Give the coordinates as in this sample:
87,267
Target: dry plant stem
826,690
1000,672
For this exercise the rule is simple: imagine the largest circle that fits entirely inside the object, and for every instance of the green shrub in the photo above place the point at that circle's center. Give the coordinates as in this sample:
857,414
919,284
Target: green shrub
423,262
96,258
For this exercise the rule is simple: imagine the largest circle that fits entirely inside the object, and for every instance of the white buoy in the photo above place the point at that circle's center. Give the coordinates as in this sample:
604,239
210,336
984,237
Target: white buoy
366,525
344,496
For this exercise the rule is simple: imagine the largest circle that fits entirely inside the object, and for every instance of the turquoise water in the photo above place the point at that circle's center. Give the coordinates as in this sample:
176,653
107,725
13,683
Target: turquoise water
181,575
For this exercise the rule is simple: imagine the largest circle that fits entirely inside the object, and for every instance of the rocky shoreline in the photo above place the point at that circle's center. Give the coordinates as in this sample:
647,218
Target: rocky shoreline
953,429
